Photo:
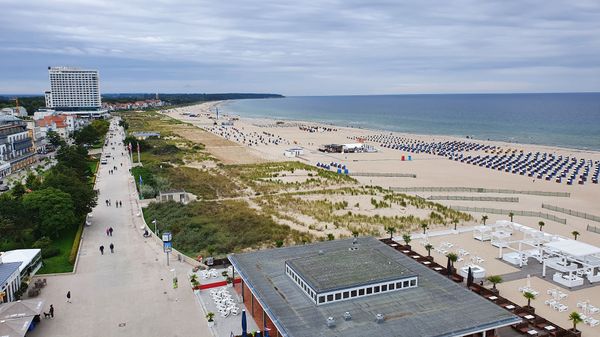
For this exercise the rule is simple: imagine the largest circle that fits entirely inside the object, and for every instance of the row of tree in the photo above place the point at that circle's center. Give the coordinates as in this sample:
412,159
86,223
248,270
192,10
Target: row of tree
46,205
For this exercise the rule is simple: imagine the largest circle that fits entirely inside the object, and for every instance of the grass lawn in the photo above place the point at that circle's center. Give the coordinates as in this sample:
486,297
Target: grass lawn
60,263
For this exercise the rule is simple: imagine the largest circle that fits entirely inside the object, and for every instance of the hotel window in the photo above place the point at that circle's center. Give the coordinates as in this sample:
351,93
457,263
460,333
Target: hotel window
405,284
338,296
369,291
376,289
361,292
346,294
384,287
391,286
321,299
329,297
353,293
413,282
398,285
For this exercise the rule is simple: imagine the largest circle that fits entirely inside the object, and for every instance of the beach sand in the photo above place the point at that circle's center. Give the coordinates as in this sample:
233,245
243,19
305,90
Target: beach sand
430,171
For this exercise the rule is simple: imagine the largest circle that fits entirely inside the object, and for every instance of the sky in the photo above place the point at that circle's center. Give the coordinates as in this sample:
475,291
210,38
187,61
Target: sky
318,47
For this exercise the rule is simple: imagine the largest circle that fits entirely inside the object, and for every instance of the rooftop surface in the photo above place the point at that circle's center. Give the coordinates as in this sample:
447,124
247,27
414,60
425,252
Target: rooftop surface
338,269
7,269
437,307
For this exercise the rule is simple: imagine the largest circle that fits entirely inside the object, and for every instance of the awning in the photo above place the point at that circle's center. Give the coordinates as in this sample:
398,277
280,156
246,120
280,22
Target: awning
15,327
573,248
21,309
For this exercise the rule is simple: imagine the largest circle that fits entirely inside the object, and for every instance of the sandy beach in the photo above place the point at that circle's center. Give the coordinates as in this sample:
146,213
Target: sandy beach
250,140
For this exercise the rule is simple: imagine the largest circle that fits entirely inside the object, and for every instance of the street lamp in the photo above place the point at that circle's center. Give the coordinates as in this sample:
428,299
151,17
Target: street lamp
167,244
155,222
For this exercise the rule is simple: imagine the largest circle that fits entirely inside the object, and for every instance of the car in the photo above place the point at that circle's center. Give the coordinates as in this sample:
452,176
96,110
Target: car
4,188
103,162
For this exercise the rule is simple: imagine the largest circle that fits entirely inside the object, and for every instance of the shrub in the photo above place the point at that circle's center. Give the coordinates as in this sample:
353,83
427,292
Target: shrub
50,252
42,243
75,247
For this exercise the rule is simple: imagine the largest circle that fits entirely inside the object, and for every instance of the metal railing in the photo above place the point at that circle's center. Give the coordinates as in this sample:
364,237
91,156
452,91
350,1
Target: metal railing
593,229
572,212
379,174
508,211
479,190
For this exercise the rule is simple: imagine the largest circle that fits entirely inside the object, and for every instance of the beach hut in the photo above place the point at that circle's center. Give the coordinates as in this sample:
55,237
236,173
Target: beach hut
409,158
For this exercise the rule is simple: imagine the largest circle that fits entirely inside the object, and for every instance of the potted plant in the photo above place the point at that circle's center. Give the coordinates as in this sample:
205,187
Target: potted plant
452,257
194,282
210,316
229,281
575,317
529,296
407,239
429,247
495,279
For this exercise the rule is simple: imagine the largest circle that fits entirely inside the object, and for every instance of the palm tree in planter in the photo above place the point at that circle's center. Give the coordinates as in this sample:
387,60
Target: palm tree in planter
455,222
453,258
529,296
194,281
210,317
495,279
484,219
575,234
541,224
407,239
511,215
575,317
424,226
391,230
429,247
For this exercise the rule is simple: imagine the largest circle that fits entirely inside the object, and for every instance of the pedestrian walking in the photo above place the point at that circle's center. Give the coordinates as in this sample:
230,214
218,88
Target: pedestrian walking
69,296
112,248
51,311
110,231
101,250
107,231
120,203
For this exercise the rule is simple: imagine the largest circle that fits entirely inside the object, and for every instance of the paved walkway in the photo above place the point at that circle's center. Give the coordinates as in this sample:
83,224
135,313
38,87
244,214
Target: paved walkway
128,293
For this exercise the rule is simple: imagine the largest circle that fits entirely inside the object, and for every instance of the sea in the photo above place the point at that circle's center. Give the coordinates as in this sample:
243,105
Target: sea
568,120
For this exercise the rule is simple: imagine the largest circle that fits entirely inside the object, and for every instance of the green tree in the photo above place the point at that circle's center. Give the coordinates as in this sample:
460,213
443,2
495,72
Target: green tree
529,296
18,190
54,138
576,318
453,258
424,226
33,182
87,135
74,157
494,279
455,222
82,194
330,237
429,247
511,215
101,126
541,224
391,230
575,234
484,219
406,238
51,210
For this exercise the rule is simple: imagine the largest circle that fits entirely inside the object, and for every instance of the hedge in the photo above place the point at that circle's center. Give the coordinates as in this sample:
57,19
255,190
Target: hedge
75,247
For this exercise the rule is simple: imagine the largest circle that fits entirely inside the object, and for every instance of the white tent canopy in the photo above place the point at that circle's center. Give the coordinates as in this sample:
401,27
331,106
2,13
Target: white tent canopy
573,248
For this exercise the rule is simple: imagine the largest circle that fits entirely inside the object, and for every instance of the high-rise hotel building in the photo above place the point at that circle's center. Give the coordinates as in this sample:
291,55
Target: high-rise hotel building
73,89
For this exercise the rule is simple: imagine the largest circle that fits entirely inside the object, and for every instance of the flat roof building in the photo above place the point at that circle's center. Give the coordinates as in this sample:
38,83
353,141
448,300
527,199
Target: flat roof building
73,89
10,281
358,287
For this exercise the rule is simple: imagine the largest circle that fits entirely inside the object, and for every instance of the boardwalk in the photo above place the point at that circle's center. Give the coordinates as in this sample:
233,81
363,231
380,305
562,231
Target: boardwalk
128,293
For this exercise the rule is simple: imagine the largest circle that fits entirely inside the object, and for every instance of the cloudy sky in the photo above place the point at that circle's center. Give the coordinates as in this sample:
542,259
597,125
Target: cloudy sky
320,47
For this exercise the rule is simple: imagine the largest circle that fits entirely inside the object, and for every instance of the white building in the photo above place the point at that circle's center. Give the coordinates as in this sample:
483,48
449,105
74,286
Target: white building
16,111
10,280
30,260
73,89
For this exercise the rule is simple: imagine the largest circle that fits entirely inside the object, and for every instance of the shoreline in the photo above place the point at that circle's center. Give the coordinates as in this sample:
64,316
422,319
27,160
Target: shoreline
548,148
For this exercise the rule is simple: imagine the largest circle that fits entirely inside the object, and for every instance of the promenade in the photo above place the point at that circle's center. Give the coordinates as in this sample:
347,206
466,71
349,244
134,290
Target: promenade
128,292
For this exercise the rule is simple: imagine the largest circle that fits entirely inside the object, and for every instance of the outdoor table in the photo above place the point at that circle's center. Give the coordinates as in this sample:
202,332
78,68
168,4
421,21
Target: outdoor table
510,307
426,262
532,332
549,327
528,317
493,298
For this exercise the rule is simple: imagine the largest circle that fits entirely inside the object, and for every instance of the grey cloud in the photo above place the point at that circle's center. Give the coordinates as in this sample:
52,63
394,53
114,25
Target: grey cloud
319,47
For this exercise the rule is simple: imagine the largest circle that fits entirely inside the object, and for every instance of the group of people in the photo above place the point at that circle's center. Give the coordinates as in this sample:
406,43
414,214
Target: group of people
111,246
118,203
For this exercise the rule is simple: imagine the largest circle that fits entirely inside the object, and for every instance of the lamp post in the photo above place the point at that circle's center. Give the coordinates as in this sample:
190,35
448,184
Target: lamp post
155,222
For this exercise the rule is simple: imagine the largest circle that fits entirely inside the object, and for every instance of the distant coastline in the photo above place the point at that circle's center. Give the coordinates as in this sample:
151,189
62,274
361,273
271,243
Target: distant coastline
565,120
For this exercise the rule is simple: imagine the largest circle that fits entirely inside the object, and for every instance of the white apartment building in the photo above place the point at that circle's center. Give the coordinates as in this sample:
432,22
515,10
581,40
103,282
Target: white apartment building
73,89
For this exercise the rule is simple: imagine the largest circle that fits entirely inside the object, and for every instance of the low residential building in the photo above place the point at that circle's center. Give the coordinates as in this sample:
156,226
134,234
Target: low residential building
30,260
16,111
10,280
180,196
146,134
4,169
359,287
16,145
56,123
